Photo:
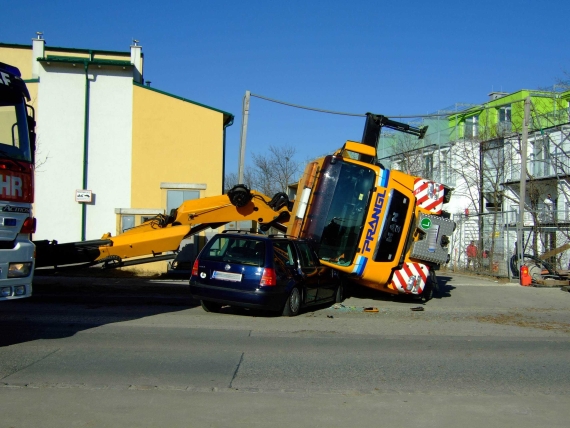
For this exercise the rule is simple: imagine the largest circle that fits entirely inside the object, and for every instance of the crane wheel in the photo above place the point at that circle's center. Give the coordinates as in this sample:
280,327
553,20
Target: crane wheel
240,195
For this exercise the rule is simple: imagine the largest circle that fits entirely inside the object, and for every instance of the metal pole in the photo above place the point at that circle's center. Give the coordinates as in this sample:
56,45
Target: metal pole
85,149
508,249
522,194
244,117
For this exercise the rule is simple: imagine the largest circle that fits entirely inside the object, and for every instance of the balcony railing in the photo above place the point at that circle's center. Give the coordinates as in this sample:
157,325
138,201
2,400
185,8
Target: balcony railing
504,128
557,166
540,217
547,120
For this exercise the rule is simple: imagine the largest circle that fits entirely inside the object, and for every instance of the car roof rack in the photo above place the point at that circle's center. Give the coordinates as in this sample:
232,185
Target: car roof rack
276,235
244,232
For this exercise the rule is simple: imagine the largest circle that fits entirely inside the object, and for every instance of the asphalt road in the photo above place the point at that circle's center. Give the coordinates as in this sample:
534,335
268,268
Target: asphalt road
135,352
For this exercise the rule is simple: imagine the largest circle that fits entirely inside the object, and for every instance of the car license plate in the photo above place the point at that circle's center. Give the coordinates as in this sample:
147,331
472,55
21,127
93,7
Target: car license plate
227,276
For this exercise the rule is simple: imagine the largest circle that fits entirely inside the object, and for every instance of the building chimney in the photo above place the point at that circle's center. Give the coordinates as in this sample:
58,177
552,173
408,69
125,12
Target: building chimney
38,51
136,60
495,95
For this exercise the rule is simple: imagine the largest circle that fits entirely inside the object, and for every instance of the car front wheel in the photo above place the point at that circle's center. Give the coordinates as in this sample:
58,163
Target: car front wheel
293,303
210,306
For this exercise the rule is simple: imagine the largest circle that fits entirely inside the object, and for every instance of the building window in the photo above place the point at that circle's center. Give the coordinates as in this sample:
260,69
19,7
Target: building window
540,157
127,222
505,114
472,127
174,198
514,214
428,170
443,167
504,124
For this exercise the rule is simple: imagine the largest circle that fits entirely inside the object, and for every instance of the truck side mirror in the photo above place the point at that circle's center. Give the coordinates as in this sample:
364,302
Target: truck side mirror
32,136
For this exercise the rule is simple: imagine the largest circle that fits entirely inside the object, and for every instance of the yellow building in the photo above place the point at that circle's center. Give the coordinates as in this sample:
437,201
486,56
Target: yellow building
136,150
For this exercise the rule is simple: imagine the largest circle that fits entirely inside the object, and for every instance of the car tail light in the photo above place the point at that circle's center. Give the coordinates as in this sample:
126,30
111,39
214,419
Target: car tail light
195,268
269,277
29,225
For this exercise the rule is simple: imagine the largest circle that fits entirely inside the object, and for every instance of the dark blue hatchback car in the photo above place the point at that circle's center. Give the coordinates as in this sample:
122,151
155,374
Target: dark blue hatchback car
272,272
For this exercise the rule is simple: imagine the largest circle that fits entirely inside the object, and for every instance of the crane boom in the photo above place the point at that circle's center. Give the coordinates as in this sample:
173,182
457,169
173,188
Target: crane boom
164,233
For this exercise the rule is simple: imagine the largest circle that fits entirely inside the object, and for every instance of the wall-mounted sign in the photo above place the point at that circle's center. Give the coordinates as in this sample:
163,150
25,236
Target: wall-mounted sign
85,196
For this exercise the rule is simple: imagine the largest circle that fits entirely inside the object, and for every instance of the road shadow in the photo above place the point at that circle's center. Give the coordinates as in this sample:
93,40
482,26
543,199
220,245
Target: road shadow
237,310
444,289
61,306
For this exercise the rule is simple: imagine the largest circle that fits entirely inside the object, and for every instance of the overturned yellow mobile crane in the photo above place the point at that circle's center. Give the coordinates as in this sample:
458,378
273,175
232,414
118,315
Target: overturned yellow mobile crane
383,229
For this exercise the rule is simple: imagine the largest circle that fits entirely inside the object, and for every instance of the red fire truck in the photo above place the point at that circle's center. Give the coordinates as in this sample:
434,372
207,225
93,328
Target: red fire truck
17,145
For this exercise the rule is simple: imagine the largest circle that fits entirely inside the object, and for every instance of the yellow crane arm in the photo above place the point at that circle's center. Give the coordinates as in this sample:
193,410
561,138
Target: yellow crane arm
164,233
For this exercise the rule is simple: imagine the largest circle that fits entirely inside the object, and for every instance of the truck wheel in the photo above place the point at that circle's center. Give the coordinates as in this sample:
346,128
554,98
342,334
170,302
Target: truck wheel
434,281
293,303
210,306
427,293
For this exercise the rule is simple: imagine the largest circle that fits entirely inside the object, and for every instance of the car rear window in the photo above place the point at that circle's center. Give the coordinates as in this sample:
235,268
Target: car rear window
235,250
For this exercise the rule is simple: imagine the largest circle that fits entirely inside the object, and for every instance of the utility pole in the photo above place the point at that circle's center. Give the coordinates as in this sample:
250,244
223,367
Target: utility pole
522,194
244,117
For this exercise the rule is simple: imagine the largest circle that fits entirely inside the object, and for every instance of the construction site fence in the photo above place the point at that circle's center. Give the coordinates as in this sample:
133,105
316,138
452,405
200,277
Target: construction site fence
495,237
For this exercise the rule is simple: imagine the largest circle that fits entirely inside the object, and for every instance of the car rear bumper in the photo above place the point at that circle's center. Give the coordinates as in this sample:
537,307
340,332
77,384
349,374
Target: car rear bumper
269,299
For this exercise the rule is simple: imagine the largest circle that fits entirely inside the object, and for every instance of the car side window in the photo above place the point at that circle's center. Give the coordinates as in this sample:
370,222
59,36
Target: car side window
217,248
279,265
306,254
282,258
284,249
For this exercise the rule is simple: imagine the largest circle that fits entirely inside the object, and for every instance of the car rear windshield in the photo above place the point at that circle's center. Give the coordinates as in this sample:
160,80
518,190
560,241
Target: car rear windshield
235,250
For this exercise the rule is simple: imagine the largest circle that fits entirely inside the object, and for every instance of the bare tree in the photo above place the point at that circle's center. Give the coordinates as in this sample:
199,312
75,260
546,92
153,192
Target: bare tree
40,158
482,162
271,173
232,178
408,155
550,143
564,82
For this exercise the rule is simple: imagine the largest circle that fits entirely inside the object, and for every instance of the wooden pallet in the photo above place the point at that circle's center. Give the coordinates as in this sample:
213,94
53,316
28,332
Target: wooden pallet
551,282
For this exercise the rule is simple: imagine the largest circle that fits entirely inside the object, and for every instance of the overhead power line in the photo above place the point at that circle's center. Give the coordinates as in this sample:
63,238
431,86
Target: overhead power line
345,113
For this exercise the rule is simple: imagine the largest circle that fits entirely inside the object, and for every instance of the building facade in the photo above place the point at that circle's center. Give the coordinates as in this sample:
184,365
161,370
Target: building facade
112,150
476,150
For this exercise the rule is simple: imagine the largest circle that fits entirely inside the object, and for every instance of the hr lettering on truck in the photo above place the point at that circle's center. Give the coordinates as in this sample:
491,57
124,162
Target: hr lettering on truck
10,186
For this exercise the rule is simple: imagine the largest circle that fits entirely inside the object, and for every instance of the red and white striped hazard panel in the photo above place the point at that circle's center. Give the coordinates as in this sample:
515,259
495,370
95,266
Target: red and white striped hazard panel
429,195
411,279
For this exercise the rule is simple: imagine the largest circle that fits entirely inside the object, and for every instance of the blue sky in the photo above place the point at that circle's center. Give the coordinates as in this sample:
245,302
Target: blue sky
392,58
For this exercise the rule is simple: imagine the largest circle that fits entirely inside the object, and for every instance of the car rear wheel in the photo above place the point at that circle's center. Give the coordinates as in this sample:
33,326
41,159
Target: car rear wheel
339,293
293,303
210,306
